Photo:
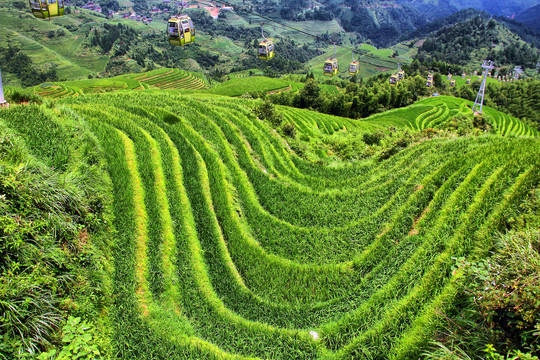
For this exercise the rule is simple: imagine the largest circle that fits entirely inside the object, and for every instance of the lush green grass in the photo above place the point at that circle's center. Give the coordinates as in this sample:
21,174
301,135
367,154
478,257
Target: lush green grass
166,79
240,86
230,244
434,112
66,52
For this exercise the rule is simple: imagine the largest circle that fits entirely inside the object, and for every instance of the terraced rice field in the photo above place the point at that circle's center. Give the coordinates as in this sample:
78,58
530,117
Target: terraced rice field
229,246
173,79
432,112
55,91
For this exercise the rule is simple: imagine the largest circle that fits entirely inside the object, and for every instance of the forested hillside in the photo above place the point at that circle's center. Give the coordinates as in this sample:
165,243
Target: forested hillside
477,39
530,17
495,7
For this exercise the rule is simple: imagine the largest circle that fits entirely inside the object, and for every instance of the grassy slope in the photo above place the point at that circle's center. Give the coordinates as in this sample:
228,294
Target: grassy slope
70,58
230,246
372,63
431,112
75,61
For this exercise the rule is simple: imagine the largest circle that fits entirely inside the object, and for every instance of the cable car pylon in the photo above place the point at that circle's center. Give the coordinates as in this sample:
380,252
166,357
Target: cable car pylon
3,102
479,102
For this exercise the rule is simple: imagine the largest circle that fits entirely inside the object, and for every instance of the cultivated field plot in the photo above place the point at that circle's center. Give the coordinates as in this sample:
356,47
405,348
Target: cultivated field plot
432,112
229,246
172,79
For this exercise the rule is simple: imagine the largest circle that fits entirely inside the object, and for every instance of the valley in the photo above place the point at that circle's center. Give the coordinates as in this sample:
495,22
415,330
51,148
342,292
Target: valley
199,202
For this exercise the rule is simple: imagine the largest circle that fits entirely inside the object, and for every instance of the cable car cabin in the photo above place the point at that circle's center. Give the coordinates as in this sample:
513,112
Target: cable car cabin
401,74
429,83
453,83
430,77
331,67
463,75
44,9
393,79
354,68
468,81
180,30
449,77
266,50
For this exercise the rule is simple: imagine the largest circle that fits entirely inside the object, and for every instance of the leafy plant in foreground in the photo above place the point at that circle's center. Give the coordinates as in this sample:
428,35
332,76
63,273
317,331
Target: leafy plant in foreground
77,341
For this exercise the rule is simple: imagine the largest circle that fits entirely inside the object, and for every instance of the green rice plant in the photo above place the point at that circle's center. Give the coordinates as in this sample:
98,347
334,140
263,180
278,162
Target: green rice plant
228,244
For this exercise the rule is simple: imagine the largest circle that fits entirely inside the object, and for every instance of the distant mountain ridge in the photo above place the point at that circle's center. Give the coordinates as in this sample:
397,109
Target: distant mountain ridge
496,7
530,17
478,38
525,32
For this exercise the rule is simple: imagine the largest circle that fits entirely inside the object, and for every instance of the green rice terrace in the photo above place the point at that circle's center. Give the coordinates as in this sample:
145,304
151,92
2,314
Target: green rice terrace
227,243
165,79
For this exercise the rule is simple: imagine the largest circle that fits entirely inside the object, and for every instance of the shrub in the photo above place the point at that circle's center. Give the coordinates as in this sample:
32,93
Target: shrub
22,96
289,130
373,138
267,111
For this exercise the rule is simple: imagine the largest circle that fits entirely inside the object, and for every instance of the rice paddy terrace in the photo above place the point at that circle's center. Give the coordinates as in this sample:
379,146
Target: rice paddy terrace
432,112
164,79
229,246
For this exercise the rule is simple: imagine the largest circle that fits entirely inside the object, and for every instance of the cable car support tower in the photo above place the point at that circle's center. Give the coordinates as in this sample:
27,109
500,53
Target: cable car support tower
3,102
479,102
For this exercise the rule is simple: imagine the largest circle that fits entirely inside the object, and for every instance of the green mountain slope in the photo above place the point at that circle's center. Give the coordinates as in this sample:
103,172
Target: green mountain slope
498,7
438,113
476,39
530,17
228,244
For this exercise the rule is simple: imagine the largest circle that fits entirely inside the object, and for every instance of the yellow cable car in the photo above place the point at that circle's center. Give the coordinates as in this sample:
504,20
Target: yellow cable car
429,83
453,83
266,48
449,77
180,30
44,9
463,75
331,67
354,67
468,81
393,79
401,74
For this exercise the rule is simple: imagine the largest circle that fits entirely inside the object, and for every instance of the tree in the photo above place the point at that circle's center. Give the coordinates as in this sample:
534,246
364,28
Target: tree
310,95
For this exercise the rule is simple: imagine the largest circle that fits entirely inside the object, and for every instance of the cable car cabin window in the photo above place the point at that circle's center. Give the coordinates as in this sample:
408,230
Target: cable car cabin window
270,47
185,25
173,30
262,50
